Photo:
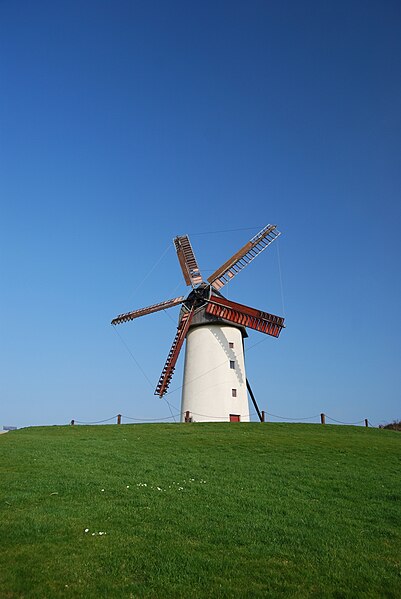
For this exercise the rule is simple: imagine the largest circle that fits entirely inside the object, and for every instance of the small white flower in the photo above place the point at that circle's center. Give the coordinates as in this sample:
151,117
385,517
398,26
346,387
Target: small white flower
102,490
127,486
93,534
86,529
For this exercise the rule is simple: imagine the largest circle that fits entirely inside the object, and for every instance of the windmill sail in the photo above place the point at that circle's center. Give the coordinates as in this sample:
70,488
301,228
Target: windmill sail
142,311
187,260
243,257
245,316
172,357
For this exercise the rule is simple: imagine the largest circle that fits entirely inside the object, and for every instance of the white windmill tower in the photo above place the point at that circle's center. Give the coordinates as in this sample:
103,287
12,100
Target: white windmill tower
215,384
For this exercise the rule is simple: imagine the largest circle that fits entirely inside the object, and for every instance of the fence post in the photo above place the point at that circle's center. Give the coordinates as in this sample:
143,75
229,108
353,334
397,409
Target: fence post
72,422
118,418
323,418
263,416
366,422
187,416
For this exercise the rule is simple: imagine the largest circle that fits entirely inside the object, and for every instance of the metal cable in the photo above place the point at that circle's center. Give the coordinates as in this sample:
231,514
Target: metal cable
225,231
171,412
133,357
149,419
285,418
263,340
150,271
340,422
98,422
169,404
169,316
280,276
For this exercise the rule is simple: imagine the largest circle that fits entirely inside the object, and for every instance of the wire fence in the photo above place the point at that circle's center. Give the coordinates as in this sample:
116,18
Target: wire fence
192,417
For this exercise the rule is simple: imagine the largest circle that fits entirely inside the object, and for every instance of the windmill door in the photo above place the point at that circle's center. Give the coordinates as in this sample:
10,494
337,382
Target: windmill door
235,418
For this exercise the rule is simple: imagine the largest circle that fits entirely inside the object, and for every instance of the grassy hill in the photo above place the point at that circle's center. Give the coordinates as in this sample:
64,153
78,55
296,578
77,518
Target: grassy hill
200,510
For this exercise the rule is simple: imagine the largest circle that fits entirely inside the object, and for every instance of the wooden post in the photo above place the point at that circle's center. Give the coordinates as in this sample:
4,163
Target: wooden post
72,422
323,418
263,416
366,422
118,418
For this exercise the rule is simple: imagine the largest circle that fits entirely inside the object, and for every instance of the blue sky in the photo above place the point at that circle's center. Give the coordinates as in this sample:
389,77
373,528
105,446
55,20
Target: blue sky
123,124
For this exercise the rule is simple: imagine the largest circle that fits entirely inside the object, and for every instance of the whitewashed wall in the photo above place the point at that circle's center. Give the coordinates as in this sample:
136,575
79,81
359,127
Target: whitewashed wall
208,378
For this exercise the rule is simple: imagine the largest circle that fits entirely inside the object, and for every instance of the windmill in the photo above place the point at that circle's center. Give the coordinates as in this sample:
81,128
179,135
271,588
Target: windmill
214,383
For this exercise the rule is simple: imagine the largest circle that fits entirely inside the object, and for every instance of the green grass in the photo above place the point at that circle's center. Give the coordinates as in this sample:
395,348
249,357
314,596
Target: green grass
286,510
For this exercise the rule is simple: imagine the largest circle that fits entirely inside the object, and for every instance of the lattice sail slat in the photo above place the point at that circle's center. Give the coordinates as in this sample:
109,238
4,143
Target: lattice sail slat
142,311
187,260
169,367
243,257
